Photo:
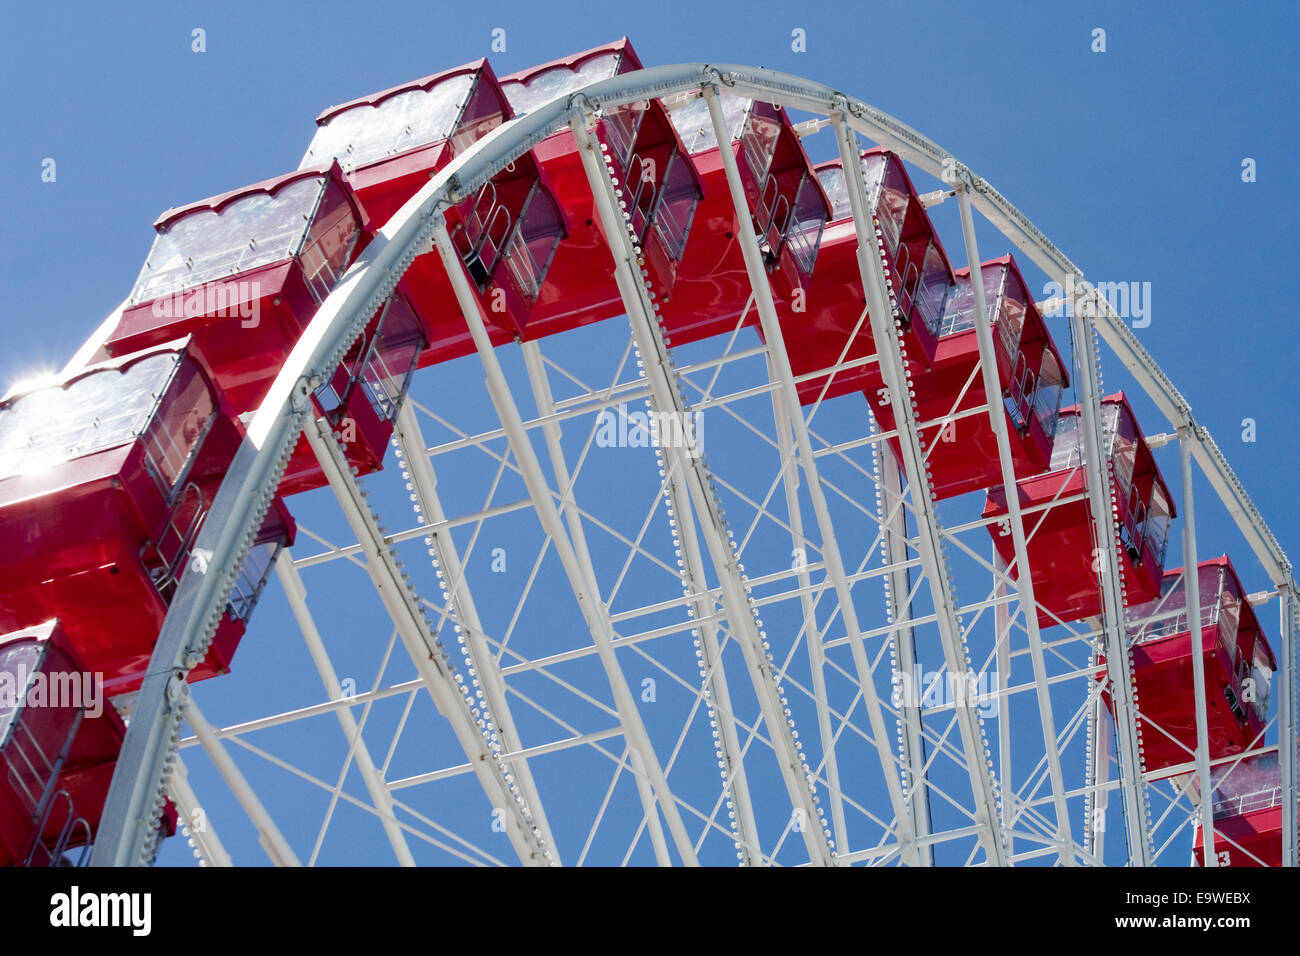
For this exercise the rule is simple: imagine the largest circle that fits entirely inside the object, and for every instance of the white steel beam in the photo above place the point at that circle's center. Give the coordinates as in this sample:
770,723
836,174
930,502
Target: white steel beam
1287,690
1192,599
584,587
667,399
1024,580
1097,472
424,486
812,632
268,834
898,609
445,686
1002,634
788,396
933,560
296,592
194,819
735,781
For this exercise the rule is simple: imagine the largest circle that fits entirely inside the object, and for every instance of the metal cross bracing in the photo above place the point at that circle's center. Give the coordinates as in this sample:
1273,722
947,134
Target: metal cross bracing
675,568
489,511
541,423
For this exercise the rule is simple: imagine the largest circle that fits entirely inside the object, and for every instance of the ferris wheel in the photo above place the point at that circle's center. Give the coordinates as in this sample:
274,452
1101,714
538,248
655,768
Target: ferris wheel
620,485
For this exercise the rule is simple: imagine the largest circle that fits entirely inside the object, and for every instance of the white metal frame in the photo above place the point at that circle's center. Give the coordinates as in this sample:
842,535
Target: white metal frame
143,777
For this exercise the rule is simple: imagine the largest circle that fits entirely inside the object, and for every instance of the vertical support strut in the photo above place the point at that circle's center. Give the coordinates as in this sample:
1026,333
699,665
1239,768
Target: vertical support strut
1192,599
667,399
584,586
788,396
268,834
207,845
1096,469
746,827
444,685
1003,633
296,592
812,632
424,486
893,523
1024,580
1097,774
1289,608
933,561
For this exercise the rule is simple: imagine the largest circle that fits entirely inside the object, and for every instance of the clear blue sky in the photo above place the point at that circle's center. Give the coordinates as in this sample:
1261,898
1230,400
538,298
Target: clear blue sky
1130,160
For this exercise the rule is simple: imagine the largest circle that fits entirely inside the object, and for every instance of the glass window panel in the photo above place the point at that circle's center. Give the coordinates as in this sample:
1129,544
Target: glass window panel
959,307
391,360
1261,673
695,125
1166,614
252,577
805,231
1067,443
544,87
484,113
328,249
1067,446
172,436
888,196
533,243
933,288
366,134
97,411
621,127
1051,387
1124,447
837,191
1155,530
19,660
678,197
761,134
254,230
1252,784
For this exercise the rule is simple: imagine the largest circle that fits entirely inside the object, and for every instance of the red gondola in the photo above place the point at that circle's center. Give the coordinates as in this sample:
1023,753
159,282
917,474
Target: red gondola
105,481
392,142
657,185
1248,804
962,450
59,741
243,273
1239,665
834,320
1064,561
788,212
363,398
507,234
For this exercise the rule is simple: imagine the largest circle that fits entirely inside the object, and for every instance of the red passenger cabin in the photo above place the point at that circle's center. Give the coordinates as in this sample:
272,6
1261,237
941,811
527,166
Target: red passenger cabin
362,399
1239,666
961,448
835,327
243,273
1248,803
656,183
506,234
59,741
1058,518
391,143
105,481
787,212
